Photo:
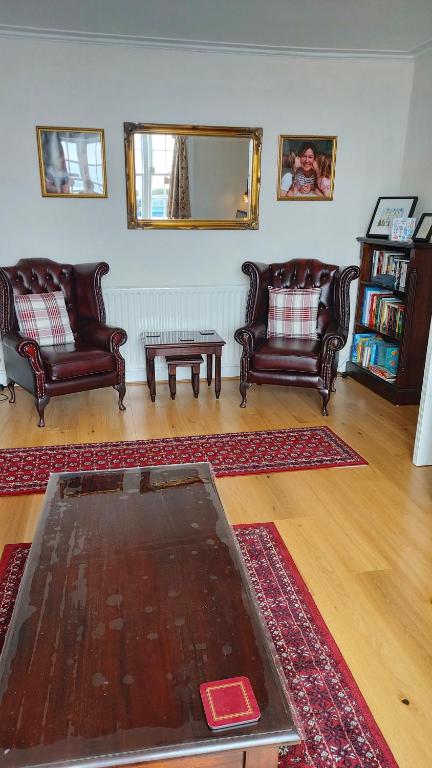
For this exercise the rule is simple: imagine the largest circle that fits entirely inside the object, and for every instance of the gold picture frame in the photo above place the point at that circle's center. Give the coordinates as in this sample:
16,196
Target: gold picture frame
306,168
72,161
141,212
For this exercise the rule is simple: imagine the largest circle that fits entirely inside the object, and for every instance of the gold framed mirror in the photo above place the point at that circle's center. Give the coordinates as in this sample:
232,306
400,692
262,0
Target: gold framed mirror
192,176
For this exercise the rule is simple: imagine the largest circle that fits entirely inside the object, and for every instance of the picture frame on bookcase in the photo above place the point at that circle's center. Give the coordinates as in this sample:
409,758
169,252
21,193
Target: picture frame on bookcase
387,209
423,230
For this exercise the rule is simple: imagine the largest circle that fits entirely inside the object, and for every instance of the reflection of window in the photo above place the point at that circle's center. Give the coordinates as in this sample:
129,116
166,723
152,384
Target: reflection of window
83,164
153,162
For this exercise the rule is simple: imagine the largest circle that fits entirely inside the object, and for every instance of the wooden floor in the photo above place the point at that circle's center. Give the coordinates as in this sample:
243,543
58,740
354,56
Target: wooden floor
360,536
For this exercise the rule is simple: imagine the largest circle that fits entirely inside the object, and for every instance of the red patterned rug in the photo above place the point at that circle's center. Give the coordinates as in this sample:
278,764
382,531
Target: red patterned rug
338,726
26,470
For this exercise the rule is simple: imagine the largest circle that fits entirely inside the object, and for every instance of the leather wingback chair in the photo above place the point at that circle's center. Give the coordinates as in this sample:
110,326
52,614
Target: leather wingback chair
92,361
291,361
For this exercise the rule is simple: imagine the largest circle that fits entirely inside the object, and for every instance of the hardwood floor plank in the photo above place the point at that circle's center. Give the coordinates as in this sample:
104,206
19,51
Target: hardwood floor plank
360,536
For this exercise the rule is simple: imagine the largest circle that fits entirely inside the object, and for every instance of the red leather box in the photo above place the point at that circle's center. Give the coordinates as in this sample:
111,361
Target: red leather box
229,702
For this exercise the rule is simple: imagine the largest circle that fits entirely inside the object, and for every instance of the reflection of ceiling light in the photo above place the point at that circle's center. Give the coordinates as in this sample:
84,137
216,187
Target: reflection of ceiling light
245,197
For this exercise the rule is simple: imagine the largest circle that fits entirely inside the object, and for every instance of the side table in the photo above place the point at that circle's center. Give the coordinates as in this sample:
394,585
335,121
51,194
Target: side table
164,343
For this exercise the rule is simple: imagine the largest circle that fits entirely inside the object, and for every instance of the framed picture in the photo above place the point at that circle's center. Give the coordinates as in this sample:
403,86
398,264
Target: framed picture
423,231
241,214
306,168
402,229
387,209
72,161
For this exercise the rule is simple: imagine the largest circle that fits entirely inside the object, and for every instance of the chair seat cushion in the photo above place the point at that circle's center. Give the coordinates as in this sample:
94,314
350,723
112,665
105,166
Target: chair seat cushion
281,354
69,361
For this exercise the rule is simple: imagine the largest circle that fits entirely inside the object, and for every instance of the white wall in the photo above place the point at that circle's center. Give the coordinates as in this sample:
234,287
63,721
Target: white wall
417,176
417,161
363,102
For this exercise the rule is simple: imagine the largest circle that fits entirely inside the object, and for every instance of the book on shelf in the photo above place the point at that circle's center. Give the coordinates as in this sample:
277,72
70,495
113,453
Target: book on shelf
383,311
371,350
390,269
382,373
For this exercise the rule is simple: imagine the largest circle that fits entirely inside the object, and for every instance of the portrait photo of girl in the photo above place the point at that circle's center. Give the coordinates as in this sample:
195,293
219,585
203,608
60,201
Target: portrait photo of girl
306,167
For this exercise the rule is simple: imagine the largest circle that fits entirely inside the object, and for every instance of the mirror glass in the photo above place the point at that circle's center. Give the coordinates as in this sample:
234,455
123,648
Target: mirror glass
192,177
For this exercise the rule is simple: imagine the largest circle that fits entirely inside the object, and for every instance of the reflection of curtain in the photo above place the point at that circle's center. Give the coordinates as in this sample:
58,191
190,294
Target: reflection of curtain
178,196
56,175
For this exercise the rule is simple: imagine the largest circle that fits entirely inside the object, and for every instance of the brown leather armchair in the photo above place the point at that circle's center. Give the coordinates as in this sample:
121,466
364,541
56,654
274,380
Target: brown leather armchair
91,362
295,362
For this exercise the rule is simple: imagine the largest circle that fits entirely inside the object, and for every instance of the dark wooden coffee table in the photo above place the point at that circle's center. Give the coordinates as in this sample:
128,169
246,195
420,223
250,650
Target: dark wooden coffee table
163,343
134,593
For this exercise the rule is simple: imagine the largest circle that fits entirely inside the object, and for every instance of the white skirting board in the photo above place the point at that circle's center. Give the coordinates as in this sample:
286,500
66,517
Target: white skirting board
221,308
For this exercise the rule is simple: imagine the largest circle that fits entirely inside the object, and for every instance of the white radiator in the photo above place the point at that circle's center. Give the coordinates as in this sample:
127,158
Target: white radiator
221,308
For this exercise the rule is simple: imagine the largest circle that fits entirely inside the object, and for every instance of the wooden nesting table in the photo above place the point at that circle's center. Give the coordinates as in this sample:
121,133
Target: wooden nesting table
166,343
134,593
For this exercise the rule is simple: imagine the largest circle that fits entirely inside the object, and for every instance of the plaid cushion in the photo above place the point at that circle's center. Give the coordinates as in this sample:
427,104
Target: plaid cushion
44,318
293,312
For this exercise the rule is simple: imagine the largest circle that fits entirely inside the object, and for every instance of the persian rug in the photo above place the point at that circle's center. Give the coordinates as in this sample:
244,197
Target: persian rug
337,726
26,470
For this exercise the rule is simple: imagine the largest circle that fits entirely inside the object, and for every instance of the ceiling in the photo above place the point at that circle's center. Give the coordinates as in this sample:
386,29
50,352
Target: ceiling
315,27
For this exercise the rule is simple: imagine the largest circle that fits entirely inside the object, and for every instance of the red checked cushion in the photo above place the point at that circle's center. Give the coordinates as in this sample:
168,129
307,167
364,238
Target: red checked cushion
44,318
293,312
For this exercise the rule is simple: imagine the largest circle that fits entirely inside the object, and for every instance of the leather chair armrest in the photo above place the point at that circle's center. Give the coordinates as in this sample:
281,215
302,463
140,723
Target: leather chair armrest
30,371
24,346
249,336
333,340
103,336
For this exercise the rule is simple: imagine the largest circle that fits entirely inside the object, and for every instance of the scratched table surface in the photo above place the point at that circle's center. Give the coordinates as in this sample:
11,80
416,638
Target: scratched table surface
134,593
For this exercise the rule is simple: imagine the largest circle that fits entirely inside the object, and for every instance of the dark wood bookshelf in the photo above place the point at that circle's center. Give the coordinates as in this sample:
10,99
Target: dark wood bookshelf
417,296
376,284
372,329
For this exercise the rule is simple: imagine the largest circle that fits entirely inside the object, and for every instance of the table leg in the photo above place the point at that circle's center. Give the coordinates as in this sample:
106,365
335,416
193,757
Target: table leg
209,369
195,379
261,757
151,378
218,359
172,381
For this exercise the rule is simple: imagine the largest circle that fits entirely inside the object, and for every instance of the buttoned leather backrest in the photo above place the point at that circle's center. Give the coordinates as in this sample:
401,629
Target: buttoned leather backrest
43,276
308,273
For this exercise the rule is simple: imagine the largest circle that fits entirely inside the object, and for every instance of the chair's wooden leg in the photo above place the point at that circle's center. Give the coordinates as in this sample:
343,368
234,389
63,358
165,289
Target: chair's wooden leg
11,388
325,394
244,386
41,403
121,389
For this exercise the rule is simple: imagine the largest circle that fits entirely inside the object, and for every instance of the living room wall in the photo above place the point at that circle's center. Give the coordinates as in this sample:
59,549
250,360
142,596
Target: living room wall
44,82
363,102
417,175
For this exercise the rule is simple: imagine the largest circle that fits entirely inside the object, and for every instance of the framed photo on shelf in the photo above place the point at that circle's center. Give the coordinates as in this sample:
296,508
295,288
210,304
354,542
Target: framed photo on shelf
306,168
387,209
71,161
402,229
423,231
